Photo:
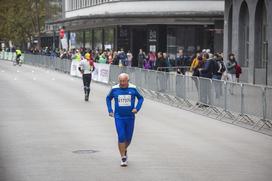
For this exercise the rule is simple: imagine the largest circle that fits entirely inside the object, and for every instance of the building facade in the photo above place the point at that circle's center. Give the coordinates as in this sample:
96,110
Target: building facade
151,25
53,11
248,34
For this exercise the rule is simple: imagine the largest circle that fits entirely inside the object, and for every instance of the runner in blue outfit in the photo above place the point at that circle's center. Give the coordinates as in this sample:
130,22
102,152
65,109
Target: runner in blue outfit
124,95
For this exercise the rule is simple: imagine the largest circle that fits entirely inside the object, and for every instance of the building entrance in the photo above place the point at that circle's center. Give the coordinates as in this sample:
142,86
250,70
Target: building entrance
139,40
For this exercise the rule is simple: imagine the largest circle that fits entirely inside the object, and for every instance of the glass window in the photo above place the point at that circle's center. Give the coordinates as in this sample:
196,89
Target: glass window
88,39
98,39
109,38
74,4
80,3
88,2
172,43
189,38
76,39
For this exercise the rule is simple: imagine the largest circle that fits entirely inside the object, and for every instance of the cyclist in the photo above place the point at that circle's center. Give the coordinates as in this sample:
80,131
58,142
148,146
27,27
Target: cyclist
18,55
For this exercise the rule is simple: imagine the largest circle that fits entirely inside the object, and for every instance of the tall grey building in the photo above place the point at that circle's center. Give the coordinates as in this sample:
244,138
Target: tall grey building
248,34
161,25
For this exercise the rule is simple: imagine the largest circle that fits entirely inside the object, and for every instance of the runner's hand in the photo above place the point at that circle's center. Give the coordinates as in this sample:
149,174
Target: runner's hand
134,111
111,114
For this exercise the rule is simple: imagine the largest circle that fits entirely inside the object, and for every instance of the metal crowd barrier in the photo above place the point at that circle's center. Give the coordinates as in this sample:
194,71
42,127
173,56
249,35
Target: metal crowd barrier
238,102
50,62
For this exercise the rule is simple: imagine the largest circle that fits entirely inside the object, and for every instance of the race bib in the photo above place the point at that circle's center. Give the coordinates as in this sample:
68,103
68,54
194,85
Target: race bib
124,100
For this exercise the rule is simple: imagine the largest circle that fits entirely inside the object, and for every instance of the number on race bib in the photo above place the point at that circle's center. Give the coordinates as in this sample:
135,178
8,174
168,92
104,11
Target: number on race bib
124,100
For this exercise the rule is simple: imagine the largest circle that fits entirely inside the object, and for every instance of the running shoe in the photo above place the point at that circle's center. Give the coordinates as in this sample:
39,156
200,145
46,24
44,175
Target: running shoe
124,161
86,98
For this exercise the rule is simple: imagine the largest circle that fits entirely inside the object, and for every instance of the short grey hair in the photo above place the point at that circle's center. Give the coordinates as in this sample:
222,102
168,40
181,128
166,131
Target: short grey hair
123,75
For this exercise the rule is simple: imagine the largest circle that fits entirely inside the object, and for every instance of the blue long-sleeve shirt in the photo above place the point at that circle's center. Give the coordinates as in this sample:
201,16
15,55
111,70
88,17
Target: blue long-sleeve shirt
124,99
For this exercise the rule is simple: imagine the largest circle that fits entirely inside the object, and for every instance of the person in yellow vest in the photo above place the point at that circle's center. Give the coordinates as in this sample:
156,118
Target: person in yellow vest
195,63
18,55
76,56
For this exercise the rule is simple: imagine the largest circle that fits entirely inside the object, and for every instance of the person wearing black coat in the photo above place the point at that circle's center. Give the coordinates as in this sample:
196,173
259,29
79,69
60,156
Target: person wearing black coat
209,68
161,62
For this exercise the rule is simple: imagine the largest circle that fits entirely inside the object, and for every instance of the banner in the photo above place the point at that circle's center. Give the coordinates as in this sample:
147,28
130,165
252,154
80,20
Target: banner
100,74
74,69
64,43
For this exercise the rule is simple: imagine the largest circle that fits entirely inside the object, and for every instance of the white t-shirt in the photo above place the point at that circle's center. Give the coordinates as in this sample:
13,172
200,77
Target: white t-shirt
85,66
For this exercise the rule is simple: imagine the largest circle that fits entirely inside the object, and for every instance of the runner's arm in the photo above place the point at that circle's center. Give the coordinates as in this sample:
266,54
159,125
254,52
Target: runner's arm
140,100
108,101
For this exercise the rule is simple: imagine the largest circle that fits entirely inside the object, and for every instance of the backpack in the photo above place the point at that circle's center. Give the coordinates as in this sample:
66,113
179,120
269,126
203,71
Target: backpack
238,69
222,67
146,64
215,66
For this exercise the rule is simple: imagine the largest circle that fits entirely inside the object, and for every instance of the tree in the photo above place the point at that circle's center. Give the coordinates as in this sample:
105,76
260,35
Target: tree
22,20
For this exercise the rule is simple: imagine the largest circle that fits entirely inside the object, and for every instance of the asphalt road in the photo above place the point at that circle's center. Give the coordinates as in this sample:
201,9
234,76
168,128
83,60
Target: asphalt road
48,133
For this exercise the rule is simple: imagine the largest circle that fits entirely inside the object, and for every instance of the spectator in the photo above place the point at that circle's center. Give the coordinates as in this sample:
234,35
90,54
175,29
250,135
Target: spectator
196,65
161,62
167,61
115,60
181,62
110,57
218,75
221,67
129,58
102,58
141,58
152,60
231,68
122,58
209,67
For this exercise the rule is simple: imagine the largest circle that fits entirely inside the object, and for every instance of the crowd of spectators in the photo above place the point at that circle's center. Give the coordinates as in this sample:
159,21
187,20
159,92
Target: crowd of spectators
202,63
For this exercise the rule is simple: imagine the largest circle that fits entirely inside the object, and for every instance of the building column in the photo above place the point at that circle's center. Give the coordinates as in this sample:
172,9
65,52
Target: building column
226,28
235,27
251,63
269,34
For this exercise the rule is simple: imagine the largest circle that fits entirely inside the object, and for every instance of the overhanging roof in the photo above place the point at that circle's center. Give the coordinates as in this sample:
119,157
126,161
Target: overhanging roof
144,12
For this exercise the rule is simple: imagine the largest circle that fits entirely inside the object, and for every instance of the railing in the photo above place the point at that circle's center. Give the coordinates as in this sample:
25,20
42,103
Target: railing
238,102
50,62
246,104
